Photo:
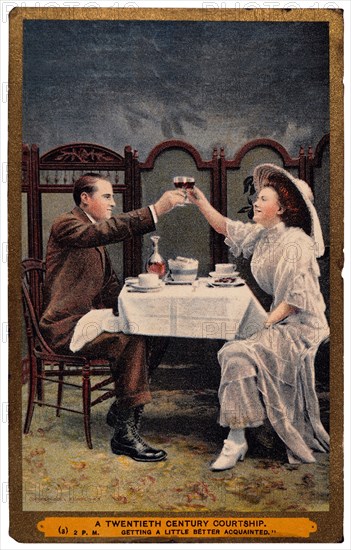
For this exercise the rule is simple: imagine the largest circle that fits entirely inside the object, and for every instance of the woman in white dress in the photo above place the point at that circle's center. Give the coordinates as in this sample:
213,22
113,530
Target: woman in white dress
271,375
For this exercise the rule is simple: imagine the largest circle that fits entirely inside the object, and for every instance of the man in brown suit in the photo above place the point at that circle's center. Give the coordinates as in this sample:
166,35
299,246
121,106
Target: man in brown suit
80,278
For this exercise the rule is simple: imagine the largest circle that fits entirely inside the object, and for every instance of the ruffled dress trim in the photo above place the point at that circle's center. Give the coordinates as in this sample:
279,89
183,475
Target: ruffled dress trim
242,237
296,282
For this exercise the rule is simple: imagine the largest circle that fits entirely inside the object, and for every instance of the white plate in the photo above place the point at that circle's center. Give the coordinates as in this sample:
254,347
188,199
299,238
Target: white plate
238,282
216,275
137,288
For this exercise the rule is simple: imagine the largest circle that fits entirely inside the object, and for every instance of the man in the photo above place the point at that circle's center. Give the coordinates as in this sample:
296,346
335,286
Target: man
81,283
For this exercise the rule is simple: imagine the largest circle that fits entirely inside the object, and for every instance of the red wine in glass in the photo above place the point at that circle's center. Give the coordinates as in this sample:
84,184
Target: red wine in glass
184,182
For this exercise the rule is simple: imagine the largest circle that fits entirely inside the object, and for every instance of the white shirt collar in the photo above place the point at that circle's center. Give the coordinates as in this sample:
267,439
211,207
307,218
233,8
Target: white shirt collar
89,216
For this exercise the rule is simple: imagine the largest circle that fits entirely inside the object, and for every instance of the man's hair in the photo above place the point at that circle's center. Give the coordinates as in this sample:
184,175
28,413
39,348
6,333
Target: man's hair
85,184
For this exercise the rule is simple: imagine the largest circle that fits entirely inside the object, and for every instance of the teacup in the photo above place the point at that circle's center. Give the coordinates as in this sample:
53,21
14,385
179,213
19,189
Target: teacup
224,269
148,280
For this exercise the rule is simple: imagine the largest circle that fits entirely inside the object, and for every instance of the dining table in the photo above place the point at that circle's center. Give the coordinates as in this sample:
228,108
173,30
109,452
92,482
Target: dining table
195,310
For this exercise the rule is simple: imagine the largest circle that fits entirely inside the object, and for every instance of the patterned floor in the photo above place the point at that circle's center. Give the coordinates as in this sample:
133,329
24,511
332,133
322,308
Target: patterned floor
61,474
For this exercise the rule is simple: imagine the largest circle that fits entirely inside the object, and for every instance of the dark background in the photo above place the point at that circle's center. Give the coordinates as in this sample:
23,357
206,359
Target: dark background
208,83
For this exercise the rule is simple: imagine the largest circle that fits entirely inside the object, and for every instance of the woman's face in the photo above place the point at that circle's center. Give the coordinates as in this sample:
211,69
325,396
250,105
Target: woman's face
267,210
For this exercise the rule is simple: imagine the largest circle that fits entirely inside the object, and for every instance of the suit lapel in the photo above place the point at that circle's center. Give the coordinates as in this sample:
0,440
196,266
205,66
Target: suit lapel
80,214
102,253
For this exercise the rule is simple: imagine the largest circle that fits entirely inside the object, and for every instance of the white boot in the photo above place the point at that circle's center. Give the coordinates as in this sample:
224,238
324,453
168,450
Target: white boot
234,449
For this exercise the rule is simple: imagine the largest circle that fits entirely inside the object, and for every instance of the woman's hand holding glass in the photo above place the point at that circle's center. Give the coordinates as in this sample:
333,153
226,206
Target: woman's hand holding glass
184,183
214,218
196,196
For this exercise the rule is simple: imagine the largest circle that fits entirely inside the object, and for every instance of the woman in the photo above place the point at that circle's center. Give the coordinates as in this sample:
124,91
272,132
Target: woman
271,375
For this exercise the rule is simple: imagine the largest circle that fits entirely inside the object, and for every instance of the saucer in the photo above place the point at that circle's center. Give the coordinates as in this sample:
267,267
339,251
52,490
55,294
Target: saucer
216,275
131,281
137,288
236,282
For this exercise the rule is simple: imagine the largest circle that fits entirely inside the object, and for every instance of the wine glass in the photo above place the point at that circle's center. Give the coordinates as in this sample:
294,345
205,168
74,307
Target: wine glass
184,182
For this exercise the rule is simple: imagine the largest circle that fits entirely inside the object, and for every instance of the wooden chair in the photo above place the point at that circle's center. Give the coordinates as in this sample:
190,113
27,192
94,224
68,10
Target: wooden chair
46,365
322,365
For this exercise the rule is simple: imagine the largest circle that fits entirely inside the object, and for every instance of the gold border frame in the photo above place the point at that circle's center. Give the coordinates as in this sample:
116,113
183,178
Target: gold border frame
330,524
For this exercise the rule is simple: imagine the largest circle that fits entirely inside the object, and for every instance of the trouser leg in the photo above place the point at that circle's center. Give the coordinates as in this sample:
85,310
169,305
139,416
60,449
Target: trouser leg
127,354
131,375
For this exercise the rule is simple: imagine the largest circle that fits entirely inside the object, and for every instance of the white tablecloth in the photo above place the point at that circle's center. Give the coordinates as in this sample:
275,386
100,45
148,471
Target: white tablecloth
182,311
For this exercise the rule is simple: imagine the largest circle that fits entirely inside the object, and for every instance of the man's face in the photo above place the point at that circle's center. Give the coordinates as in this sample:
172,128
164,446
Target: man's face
100,203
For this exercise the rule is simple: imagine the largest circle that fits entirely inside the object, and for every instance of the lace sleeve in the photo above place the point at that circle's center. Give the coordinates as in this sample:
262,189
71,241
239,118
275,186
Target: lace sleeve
242,237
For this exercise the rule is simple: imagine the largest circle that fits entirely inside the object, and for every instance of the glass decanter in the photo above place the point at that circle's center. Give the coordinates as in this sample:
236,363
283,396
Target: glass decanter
155,263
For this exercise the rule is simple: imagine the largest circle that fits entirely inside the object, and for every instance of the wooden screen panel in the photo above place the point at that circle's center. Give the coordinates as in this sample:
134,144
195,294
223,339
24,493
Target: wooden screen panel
321,184
66,178
183,231
235,178
56,171
24,225
233,174
319,165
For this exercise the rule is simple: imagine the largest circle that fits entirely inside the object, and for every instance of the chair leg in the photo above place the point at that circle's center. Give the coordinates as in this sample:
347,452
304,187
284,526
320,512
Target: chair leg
86,405
40,386
32,392
60,388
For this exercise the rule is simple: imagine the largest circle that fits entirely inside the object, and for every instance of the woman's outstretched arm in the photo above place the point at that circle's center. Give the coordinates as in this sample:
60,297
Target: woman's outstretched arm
214,218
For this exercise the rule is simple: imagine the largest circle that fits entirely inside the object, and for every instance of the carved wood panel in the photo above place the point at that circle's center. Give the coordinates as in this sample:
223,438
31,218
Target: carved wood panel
56,171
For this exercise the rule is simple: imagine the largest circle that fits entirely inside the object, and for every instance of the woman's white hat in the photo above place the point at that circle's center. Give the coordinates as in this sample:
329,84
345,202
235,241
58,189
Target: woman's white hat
259,175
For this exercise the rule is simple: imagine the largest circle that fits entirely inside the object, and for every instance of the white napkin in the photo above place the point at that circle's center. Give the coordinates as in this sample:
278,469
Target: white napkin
92,325
183,263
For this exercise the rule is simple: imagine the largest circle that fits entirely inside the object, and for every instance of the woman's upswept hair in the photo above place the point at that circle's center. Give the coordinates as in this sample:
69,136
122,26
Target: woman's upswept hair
296,213
85,184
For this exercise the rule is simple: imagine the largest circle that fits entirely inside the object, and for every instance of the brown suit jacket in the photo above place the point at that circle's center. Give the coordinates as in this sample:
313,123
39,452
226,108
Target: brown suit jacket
79,276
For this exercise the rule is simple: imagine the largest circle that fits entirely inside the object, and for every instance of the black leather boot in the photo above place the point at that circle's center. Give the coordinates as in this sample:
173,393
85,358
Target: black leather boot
113,415
127,441
138,413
